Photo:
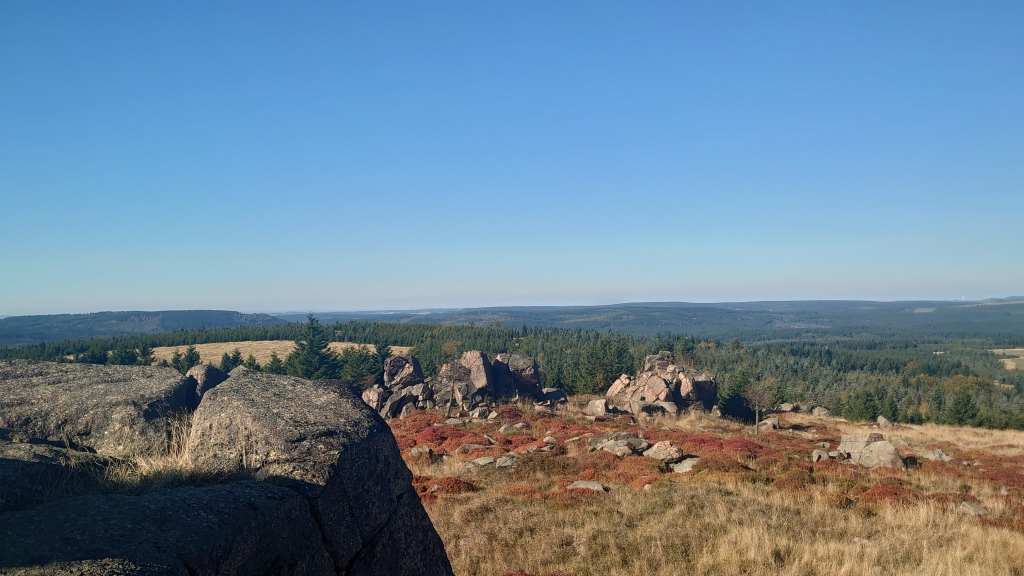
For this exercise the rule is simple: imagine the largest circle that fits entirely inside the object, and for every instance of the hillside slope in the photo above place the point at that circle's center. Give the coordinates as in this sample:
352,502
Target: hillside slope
17,330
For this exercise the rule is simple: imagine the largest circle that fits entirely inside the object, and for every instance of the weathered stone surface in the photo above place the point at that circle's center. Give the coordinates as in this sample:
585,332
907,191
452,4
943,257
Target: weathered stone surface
375,396
786,407
114,410
587,485
206,377
619,386
820,411
883,422
244,528
819,455
661,381
870,450
525,376
641,408
619,443
770,423
401,372
327,445
665,452
553,396
468,381
937,454
31,473
686,465
597,407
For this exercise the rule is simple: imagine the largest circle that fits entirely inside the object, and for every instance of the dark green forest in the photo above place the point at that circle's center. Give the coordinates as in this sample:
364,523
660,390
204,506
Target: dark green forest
934,379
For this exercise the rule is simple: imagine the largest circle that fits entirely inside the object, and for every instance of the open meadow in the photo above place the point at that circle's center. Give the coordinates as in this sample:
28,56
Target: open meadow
260,349
750,504
1016,360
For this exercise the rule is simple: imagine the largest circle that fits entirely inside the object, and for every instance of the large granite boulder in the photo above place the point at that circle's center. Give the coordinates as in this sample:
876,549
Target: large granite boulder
402,372
244,528
330,447
32,473
113,410
522,373
468,382
206,377
870,450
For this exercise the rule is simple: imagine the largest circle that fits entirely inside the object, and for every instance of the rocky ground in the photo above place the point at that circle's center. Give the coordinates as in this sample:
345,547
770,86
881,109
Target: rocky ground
528,489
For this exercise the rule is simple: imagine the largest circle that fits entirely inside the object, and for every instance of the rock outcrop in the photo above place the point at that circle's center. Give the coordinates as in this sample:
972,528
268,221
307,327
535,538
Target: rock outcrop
112,410
467,382
206,377
663,388
516,376
302,478
870,450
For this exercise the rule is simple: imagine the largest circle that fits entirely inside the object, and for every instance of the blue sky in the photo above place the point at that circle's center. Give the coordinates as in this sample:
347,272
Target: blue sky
340,156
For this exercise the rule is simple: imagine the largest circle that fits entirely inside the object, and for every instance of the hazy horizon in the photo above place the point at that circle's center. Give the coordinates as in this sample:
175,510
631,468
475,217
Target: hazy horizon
404,156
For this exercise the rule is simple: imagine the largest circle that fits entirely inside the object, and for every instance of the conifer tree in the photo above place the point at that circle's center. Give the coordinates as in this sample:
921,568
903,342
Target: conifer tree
312,357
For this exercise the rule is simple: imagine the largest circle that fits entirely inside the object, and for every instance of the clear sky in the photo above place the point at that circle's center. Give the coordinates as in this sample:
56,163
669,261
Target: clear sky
365,155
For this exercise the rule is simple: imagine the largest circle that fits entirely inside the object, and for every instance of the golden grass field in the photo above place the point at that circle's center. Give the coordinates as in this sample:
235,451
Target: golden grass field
764,510
1015,363
260,349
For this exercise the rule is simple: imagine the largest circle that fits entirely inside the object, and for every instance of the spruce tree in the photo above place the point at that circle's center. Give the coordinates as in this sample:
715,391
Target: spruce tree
312,358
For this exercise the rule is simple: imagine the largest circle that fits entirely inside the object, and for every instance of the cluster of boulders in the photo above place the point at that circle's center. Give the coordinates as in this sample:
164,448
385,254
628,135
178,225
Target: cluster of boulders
660,388
624,444
265,474
868,450
473,381
806,407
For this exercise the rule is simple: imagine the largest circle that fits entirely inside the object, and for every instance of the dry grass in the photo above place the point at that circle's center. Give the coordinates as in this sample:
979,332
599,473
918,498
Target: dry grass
755,505
260,349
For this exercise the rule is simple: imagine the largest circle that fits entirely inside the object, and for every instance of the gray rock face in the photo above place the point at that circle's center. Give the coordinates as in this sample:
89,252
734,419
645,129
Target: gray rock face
820,411
401,372
468,381
31,473
870,450
620,443
665,452
328,446
552,396
516,375
114,410
597,407
937,454
587,485
206,377
685,466
242,528
662,382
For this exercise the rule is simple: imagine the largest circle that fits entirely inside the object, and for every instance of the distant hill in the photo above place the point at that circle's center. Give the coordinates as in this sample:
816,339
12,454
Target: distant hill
1001,319
17,330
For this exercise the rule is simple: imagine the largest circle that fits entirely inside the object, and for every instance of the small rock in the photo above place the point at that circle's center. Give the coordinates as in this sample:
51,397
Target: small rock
786,407
825,445
481,412
587,485
493,416
835,454
820,411
819,455
453,421
550,439
468,448
972,509
504,462
597,407
421,451
506,429
769,423
484,461
491,440
686,465
665,452
937,454
520,425
883,422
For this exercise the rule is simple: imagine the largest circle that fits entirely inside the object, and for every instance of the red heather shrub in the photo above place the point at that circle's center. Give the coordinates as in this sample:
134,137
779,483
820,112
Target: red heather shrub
545,464
536,445
588,474
892,495
642,481
509,412
443,485
600,461
640,466
437,435
404,442
427,499
521,440
952,498
524,492
413,423
741,447
947,469
700,444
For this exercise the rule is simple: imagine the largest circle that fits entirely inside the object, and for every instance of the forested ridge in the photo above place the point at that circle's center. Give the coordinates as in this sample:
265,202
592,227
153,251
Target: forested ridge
906,380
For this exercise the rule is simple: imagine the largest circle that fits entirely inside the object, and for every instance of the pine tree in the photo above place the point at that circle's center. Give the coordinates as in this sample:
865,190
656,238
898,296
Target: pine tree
312,357
274,365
